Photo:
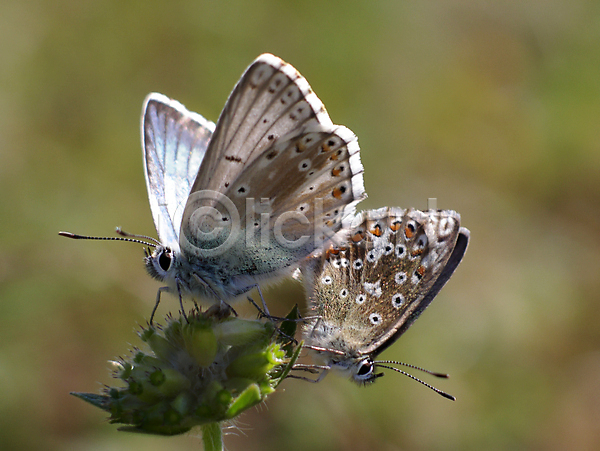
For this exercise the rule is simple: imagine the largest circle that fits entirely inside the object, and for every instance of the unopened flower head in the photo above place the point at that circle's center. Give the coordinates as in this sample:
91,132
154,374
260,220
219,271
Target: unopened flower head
199,370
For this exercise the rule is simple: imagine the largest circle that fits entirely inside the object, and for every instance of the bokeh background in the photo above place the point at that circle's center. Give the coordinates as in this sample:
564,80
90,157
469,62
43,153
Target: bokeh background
491,107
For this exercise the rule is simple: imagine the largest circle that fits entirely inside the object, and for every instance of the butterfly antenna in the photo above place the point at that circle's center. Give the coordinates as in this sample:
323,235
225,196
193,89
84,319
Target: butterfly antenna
437,390
408,365
131,235
106,238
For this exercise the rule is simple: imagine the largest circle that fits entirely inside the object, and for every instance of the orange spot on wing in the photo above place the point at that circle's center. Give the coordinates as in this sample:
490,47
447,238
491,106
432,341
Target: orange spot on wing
396,226
358,236
377,231
334,252
336,155
409,232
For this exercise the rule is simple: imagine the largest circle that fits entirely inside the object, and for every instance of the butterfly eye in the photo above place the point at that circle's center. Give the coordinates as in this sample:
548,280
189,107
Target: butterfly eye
165,259
365,369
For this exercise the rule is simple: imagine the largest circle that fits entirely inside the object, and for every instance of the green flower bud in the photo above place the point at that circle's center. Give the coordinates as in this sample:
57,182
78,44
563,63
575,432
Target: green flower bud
183,403
201,343
251,366
199,370
162,348
237,332
174,383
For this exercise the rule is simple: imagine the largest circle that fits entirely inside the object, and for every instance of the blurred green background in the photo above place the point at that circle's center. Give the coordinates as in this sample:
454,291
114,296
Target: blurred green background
492,107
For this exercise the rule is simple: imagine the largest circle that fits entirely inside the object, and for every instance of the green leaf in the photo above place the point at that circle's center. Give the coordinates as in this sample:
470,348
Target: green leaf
288,367
101,401
248,398
289,327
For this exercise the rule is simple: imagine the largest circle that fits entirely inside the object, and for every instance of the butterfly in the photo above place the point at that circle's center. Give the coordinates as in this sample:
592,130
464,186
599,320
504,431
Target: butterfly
366,293
243,201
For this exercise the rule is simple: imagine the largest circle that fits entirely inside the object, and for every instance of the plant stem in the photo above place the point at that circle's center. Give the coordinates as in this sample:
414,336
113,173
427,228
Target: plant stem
212,437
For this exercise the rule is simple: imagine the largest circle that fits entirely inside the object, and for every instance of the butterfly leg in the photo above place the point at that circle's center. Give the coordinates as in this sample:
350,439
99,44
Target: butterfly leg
181,301
274,319
262,299
319,320
196,305
160,290
311,369
265,310
263,314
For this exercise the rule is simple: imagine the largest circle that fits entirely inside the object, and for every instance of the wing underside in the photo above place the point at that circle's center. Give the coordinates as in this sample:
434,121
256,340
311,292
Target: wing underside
174,141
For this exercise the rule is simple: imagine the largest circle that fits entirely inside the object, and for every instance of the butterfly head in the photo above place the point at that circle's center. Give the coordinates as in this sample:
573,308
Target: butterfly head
357,366
160,264
362,370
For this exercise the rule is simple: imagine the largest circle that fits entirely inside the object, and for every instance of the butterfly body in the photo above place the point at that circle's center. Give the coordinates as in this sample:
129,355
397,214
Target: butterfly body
243,201
367,292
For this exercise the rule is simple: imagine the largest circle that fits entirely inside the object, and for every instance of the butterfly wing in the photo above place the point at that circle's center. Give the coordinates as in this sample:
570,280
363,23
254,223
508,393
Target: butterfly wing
394,264
274,151
452,263
174,142
308,183
269,101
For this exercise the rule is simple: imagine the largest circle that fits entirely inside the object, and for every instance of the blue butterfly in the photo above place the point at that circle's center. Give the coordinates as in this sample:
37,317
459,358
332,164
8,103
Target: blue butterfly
366,293
243,201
